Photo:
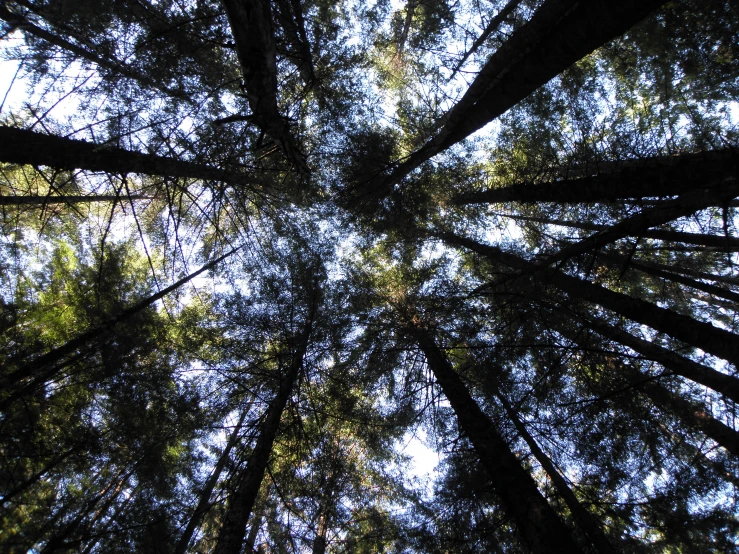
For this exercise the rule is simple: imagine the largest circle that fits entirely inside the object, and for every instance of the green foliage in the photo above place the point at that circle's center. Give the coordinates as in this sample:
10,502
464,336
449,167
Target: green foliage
123,409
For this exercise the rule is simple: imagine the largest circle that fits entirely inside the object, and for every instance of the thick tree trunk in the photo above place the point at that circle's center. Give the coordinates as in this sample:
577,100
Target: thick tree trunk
36,367
582,517
539,527
490,28
204,500
249,480
113,66
701,335
635,179
559,34
20,146
251,27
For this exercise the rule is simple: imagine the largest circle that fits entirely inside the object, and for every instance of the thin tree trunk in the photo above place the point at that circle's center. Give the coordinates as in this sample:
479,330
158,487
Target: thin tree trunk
251,27
20,146
204,499
693,371
675,269
582,517
290,18
43,200
559,34
692,414
701,239
36,477
539,526
491,27
637,225
713,290
631,179
702,335
255,525
114,66
36,366
326,507
409,10
59,540
250,478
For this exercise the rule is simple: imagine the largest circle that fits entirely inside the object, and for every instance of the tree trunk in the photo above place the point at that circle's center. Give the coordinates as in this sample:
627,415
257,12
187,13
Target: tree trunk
692,414
59,540
713,290
582,517
249,480
559,34
637,225
701,335
490,28
251,27
410,8
729,243
693,371
36,366
256,523
204,500
635,179
20,146
538,525
290,17
43,200
675,269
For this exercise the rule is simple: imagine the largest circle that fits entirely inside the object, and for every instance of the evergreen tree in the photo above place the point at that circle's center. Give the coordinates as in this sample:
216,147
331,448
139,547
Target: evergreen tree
250,249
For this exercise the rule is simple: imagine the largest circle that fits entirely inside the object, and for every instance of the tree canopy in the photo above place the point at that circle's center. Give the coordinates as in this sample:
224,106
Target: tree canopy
258,254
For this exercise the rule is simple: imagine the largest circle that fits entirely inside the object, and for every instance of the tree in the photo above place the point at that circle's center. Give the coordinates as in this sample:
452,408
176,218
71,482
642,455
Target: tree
251,250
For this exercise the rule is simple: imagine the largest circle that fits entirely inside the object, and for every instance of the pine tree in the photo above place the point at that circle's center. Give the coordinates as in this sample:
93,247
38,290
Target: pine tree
508,228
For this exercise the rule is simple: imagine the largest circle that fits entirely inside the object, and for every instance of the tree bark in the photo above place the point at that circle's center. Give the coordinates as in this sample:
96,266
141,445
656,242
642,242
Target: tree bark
633,179
251,27
713,290
410,8
290,18
204,499
582,517
538,525
249,480
701,335
638,224
698,373
691,413
490,28
37,366
729,243
43,200
559,34
20,146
